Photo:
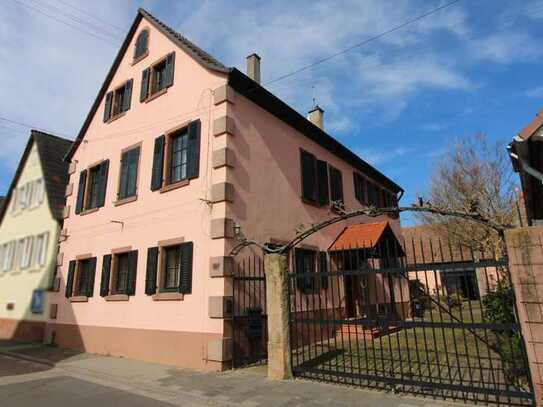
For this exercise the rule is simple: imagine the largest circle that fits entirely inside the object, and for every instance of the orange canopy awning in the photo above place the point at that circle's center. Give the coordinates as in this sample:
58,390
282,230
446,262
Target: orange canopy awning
361,236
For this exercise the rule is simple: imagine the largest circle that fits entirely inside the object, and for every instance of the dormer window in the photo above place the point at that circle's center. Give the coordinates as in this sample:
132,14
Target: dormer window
142,46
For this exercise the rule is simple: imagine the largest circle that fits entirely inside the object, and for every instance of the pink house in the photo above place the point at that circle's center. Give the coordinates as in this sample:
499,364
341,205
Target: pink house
178,154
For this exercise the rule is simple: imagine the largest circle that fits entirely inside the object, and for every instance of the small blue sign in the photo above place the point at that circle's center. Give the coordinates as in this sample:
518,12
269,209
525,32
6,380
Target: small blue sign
37,302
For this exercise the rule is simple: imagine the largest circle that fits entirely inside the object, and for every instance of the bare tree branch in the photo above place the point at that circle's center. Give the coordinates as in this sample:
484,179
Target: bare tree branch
372,212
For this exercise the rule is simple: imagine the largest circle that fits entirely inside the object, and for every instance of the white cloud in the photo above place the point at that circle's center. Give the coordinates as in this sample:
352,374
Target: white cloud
536,92
505,47
375,156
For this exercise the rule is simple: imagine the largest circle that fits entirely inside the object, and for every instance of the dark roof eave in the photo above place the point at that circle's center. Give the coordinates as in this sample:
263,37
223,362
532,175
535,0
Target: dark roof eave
271,103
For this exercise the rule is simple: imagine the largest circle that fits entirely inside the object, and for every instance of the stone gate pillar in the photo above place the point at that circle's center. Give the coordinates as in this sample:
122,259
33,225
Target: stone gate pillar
275,268
525,250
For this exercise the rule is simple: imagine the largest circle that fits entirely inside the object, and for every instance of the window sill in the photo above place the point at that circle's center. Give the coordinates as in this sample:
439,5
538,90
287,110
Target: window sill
117,297
117,116
156,94
123,201
79,298
88,211
313,203
175,185
168,297
141,57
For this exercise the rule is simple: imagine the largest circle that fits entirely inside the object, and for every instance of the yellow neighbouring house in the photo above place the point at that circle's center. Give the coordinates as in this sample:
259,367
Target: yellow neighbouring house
30,225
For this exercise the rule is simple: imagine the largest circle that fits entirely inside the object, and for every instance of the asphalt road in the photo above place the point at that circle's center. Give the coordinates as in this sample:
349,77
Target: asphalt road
59,390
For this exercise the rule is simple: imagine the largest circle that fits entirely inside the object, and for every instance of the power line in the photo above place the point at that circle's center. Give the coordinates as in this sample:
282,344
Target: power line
75,27
123,30
77,19
29,126
367,41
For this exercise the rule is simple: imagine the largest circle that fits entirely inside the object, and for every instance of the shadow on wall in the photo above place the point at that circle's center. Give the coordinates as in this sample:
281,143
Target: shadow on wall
38,327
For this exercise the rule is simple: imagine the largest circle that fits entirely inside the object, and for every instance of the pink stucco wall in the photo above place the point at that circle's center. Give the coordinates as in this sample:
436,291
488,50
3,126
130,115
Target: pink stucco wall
267,179
153,216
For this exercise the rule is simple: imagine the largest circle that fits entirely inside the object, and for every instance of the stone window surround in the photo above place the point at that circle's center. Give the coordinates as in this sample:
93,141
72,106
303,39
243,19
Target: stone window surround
133,198
166,185
165,295
78,260
112,296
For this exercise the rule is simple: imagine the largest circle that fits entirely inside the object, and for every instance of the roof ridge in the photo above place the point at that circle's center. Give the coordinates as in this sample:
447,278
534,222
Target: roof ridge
203,55
43,133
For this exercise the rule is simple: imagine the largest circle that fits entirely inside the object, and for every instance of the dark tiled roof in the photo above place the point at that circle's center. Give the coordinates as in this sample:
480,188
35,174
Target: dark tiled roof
2,201
245,86
192,49
268,101
51,151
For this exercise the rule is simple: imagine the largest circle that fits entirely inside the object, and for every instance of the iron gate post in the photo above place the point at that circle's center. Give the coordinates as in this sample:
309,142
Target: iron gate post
277,304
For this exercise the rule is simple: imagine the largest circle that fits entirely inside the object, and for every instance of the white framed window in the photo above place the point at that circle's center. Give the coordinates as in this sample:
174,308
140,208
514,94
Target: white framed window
14,201
39,191
42,241
23,196
9,254
2,252
25,252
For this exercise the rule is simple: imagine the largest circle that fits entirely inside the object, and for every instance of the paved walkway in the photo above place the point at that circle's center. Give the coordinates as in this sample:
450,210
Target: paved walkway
52,377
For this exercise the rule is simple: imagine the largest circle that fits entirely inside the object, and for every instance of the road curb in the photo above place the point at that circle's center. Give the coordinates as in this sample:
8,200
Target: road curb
28,358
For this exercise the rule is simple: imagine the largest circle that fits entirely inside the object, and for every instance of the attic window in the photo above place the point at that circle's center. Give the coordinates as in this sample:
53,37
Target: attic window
118,101
157,78
142,46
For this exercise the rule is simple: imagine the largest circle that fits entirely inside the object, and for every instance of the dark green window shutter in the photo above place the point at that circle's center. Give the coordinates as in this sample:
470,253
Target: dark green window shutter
185,280
168,72
356,184
92,271
322,182
323,268
309,176
336,185
81,192
193,149
158,164
127,96
132,272
104,279
151,272
144,91
359,187
70,279
108,106
123,179
141,43
104,169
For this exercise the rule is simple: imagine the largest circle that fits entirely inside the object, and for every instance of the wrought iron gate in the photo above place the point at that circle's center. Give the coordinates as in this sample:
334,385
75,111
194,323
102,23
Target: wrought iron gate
442,324
249,319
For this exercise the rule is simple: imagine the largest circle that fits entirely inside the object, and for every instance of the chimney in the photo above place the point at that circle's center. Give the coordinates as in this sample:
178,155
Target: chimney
253,67
316,116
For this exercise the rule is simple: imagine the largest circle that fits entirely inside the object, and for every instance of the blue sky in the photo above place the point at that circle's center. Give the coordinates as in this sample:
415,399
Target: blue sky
398,102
